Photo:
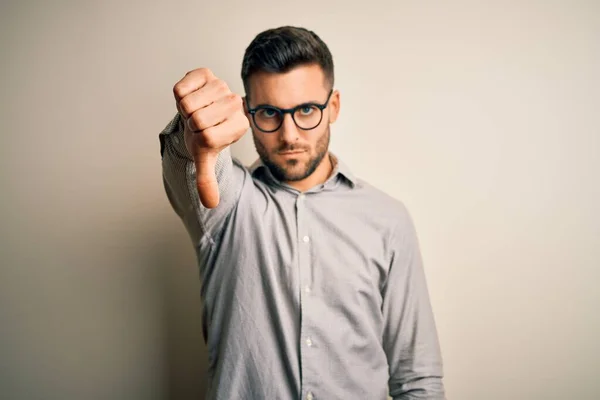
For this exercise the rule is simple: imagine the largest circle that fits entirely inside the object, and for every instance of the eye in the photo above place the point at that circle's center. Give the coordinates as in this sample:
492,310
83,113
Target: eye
267,113
307,110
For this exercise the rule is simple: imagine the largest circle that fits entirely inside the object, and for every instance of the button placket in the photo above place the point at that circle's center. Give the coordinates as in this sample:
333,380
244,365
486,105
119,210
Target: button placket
304,258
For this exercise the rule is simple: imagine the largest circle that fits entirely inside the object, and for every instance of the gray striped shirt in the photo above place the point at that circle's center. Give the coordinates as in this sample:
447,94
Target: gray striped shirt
318,295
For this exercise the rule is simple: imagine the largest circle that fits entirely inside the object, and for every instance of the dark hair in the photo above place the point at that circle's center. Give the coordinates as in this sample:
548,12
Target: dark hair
281,49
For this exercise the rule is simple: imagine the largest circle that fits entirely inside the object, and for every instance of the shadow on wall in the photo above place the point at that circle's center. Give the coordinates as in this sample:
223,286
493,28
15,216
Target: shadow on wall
185,350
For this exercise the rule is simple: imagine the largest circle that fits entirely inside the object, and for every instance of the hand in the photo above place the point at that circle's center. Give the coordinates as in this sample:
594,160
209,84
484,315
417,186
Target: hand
213,119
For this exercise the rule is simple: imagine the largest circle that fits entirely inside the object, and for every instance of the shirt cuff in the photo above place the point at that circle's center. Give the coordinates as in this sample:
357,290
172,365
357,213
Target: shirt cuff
173,133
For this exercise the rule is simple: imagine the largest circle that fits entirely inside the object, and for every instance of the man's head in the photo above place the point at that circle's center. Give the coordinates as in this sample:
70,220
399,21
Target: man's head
290,68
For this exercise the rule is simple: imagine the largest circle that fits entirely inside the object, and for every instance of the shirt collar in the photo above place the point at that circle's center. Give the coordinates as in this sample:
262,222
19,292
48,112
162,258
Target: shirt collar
339,168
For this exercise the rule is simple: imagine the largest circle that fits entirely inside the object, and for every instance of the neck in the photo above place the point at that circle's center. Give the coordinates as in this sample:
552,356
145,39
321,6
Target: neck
318,177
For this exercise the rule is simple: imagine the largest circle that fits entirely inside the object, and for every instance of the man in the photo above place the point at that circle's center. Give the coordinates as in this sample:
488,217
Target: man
312,280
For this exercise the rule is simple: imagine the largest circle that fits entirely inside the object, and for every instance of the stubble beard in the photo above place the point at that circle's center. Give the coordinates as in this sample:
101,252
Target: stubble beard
290,170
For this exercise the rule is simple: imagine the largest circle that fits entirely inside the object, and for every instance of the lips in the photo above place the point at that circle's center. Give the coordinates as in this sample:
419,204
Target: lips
289,153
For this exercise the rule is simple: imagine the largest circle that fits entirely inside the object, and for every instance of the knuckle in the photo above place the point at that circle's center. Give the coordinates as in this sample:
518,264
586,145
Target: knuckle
239,122
200,71
206,71
203,72
178,90
234,101
198,120
244,123
222,86
186,106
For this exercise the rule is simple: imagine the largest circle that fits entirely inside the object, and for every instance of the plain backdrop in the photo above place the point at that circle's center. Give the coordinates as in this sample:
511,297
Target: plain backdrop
483,117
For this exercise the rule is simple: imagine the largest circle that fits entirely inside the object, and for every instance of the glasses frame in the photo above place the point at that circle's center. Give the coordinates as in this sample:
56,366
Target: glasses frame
291,111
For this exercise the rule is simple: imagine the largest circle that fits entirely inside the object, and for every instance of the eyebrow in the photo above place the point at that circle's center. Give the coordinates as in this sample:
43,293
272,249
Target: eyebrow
282,108
317,102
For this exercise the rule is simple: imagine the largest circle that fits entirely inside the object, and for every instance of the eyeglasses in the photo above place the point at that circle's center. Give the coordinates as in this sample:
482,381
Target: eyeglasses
306,116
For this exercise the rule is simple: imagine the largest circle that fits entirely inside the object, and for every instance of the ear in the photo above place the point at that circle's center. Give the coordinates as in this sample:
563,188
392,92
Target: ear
245,102
245,105
334,106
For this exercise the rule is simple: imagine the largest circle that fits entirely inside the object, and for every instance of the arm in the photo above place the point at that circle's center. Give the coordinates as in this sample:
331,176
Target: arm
410,337
179,179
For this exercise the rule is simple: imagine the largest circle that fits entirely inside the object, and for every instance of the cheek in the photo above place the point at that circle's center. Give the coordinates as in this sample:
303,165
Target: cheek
316,143
268,143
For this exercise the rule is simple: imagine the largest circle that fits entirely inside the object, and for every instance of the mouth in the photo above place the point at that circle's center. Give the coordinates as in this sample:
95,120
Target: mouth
291,153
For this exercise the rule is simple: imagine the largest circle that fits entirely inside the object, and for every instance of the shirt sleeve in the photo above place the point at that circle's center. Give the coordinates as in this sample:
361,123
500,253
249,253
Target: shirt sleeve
410,337
179,179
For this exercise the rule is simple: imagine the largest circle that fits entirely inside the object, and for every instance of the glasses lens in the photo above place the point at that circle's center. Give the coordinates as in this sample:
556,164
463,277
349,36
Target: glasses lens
308,117
268,119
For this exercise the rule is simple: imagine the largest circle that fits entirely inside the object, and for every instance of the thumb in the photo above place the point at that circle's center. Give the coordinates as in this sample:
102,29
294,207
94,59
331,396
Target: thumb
206,179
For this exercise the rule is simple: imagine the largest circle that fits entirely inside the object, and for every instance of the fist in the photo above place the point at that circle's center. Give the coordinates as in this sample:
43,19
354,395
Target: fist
213,118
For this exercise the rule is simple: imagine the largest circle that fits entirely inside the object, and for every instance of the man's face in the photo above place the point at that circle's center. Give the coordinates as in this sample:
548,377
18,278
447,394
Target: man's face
292,154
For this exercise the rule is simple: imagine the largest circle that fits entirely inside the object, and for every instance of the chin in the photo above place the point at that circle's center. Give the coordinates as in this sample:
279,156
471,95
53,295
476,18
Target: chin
295,177
288,171
294,171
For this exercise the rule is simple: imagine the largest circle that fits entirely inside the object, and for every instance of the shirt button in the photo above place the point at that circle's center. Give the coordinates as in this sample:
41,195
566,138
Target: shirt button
309,396
176,139
307,289
306,239
301,197
309,342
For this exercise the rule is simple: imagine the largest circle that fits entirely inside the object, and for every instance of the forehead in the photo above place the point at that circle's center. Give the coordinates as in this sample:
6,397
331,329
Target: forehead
302,84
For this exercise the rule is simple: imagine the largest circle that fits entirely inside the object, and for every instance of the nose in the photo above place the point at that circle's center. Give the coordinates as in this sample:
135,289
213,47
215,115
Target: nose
289,131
